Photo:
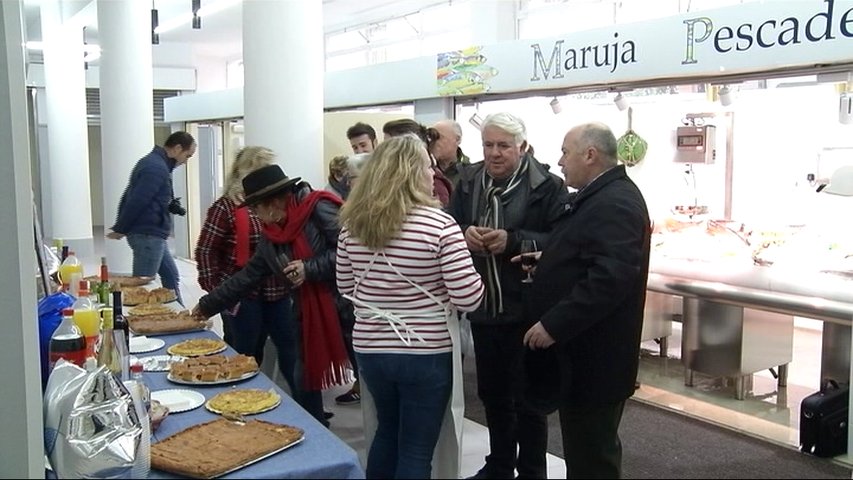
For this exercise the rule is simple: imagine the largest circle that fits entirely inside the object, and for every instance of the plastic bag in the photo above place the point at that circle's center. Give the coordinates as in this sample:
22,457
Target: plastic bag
50,316
93,426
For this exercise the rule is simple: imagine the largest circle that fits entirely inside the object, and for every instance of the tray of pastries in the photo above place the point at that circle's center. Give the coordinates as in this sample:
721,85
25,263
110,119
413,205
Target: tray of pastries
213,370
122,280
165,323
149,309
243,401
141,295
196,347
212,449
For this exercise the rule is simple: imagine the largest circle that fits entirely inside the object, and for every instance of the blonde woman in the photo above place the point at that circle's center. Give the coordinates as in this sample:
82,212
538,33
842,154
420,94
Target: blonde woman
404,264
228,239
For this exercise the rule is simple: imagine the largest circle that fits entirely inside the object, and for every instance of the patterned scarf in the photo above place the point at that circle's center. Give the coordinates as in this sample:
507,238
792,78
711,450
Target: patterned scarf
494,199
323,353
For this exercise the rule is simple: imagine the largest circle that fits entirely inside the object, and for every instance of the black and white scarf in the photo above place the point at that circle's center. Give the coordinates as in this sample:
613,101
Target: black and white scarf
494,199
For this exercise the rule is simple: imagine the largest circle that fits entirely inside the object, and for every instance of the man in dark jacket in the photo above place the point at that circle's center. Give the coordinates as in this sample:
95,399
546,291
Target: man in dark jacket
589,292
146,208
499,202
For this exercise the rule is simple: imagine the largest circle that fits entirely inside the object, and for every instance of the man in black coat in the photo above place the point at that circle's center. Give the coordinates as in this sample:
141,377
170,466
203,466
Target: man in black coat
589,292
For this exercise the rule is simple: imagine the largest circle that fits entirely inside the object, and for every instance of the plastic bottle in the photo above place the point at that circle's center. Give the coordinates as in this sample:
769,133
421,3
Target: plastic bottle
67,342
86,318
68,270
142,403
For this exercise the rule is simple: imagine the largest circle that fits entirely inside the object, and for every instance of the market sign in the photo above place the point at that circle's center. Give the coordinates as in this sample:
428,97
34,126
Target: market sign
752,37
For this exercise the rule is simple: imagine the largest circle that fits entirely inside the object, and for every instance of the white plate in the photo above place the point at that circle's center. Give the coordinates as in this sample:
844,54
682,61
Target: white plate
145,344
159,363
178,400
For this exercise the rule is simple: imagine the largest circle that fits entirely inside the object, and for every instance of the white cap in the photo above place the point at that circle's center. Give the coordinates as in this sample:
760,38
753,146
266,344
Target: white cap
841,182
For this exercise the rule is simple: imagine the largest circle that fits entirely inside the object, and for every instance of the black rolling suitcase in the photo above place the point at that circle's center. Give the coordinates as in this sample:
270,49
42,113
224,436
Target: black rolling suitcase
823,420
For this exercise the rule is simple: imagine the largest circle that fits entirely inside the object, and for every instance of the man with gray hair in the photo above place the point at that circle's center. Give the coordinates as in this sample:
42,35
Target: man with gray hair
506,198
588,297
446,150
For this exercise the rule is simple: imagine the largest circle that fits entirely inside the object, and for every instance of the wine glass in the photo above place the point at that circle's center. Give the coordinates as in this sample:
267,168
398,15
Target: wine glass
529,258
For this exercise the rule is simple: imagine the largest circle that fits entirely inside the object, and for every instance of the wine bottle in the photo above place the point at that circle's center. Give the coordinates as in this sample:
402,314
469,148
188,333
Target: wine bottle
119,320
103,287
107,353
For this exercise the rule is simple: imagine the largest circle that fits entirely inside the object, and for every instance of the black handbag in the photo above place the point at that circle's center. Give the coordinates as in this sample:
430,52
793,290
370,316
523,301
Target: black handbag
823,420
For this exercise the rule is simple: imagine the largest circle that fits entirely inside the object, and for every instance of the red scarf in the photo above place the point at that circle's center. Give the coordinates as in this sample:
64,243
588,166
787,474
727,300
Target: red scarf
323,352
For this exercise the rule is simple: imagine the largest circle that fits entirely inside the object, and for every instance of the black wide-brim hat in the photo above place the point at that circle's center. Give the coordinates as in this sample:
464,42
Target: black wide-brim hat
264,183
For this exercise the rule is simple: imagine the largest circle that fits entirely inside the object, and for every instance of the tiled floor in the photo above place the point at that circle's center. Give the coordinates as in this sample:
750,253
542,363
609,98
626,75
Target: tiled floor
768,412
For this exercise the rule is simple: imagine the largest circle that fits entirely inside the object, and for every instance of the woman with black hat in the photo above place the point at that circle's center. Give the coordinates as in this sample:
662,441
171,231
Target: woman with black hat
300,234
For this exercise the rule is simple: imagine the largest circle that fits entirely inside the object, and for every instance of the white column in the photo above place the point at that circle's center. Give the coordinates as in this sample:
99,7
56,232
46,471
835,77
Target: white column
127,112
22,440
283,92
67,129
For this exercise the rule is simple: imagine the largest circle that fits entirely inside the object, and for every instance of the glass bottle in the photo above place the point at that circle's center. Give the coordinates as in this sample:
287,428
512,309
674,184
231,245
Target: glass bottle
107,353
103,288
119,320
67,342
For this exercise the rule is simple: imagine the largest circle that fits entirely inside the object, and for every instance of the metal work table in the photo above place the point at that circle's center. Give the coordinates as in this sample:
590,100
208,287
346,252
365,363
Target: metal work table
738,321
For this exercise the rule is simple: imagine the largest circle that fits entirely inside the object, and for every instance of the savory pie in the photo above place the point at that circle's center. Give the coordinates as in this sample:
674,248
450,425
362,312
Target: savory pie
197,346
117,281
213,368
211,449
141,295
150,309
243,401
164,323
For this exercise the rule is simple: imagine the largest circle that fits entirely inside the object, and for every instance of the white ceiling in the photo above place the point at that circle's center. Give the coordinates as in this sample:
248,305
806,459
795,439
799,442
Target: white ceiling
221,33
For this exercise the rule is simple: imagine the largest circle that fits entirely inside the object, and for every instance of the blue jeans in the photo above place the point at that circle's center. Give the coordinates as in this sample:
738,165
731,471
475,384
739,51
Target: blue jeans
411,394
151,256
257,319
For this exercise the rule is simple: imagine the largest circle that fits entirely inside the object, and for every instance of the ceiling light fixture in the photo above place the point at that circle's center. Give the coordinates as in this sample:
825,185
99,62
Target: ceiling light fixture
620,101
196,19
186,18
476,120
725,96
555,106
155,24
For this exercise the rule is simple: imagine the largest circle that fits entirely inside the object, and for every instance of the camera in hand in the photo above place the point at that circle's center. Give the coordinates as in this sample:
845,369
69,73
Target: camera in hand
175,207
529,260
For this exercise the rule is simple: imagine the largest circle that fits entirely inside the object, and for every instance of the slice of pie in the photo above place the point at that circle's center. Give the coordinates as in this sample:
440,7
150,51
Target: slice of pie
243,401
197,346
